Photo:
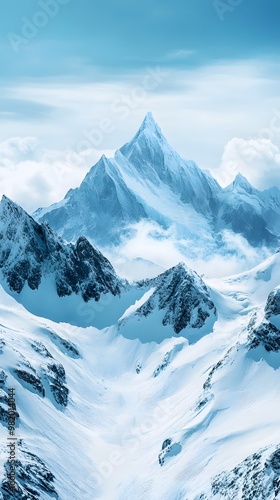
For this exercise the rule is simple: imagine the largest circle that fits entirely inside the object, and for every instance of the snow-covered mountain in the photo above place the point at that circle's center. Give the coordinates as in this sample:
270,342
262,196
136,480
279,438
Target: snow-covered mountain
108,418
252,213
177,299
39,267
75,283
148,181
165,388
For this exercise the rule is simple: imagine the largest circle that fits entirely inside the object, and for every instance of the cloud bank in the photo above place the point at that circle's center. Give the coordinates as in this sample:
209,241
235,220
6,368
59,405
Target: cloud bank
33,176
257,159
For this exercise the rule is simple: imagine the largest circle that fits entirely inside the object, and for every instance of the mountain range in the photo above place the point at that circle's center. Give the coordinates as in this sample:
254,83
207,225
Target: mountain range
159,388
147,180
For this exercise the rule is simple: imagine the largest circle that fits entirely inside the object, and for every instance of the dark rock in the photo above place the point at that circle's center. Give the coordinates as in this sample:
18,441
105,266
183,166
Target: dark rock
182,295
55,376
4,408
163,365
254,478
166,443
64,345
3,378
33,479
2,344
272,307
77,268
60,392
41,349
267,335
30,379
168,357
58,370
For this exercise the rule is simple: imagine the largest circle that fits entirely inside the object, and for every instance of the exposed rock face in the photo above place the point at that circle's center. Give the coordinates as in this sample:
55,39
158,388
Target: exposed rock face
168,450
40,349
30,379
55,374
168,358
30,251
4,408
267,333
164,449
65,346
182,295
33,478
272,307
257,478
3,378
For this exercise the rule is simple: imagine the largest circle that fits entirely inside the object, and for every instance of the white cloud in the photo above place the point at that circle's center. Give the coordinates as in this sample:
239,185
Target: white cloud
165,251
257,159
34,176
199,108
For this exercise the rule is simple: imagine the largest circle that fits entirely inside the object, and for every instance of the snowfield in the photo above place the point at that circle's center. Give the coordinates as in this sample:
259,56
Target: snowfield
169,420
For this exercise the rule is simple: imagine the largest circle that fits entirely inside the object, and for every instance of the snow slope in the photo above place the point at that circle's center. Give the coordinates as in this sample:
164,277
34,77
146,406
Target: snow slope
107,418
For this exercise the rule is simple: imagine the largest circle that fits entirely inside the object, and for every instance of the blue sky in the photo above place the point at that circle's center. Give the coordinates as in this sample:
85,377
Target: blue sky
68,65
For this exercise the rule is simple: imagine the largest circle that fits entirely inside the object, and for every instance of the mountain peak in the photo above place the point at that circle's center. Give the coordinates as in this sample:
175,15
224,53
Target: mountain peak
149,125
241,182
9,208
148,135
5,200
240,179
149,121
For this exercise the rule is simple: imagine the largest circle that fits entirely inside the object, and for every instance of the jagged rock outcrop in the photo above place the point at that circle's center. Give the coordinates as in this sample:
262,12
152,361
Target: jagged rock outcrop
267,333
183,297
33,478
30,252
54,373
257,478
31,379
272,307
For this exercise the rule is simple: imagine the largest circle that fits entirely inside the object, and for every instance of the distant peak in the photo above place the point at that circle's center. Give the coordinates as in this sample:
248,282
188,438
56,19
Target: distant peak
149,123
241,181
5,201
148,136
149,119
9,209
181,268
